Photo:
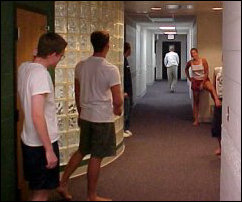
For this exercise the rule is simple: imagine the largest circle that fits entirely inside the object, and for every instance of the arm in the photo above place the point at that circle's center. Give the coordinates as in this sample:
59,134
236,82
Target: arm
165,60
177,59
187,70
37,112
77,96
117,99
205,64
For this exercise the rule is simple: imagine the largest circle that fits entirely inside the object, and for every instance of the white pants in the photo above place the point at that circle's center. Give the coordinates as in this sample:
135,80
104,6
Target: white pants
172,76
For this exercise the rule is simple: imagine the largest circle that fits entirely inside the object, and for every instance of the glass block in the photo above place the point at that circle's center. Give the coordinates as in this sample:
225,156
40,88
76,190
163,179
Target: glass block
71,92
72,123
60,25
84,42
62,125
60,9
73,9
71,57
60,75
94,26
60,107
70,75
86,3
96,14
72,107
73,25
63,156
71,151
59,91
84,55
73,42
73,138
85,11
62,141
94,3
84,26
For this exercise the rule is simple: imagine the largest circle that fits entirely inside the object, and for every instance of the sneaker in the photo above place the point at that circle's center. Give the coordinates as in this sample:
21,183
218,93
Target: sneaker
127,133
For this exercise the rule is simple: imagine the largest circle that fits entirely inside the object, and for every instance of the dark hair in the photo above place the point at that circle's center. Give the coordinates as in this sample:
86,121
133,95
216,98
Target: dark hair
194,50
50,43
126,47
99,40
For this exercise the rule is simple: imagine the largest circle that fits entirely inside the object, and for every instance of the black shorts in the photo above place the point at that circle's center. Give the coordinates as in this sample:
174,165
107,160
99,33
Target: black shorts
35,171
217,121
97,139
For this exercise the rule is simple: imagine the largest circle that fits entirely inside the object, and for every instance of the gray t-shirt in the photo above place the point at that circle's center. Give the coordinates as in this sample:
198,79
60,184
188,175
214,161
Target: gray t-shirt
96,77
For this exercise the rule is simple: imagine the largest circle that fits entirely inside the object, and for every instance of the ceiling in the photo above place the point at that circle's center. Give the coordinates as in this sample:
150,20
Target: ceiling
140,11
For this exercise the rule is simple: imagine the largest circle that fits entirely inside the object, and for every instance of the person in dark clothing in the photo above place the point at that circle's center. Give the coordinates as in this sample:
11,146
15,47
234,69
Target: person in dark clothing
128,91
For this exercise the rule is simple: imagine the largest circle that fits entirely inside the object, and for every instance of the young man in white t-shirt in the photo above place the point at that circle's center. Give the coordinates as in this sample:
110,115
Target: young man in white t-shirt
98,99
39,136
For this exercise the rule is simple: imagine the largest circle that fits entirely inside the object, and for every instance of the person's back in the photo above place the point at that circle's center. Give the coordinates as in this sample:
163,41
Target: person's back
171,59
96,75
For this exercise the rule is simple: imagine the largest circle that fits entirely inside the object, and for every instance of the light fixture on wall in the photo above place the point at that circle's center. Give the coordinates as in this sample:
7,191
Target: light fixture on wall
173,6
156,8
170,33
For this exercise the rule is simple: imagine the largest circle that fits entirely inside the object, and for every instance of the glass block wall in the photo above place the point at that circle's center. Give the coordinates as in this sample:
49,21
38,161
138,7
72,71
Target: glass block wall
75,21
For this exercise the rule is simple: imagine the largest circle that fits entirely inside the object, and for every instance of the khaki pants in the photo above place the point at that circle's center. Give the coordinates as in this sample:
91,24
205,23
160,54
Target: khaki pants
172,77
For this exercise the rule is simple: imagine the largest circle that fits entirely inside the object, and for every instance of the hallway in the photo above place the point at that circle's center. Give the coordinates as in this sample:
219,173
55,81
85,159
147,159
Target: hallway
166,158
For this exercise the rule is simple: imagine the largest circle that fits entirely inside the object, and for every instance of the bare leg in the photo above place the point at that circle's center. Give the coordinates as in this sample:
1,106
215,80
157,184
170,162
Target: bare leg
209,87
218,151
40,195
92,175
195,107
72,165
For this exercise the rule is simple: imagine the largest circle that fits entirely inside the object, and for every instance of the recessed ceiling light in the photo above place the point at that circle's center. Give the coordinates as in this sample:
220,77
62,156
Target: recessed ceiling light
169,32
156,8
168,28
189,6
217,8
172,6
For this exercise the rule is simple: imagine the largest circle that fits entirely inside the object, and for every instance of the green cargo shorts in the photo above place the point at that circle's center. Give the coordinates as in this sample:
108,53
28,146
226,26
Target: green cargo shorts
97,139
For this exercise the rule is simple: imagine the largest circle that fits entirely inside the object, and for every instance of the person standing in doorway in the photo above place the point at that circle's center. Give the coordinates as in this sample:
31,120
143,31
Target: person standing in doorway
128,91
200,81
40,133
171,61
98,99
217,117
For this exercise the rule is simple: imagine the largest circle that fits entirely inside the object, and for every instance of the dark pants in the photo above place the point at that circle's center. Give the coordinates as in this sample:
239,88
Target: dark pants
127,113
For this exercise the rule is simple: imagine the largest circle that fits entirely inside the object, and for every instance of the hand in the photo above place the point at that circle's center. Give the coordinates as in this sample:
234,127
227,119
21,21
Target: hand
51,159
126,95
117,111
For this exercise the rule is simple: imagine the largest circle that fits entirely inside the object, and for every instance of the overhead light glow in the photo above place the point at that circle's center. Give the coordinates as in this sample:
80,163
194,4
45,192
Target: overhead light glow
217,8
168,28
156,8
189,6
172,6
169,32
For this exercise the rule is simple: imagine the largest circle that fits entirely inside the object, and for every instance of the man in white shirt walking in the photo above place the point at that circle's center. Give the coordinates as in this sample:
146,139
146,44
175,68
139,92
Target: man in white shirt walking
99,98
171,61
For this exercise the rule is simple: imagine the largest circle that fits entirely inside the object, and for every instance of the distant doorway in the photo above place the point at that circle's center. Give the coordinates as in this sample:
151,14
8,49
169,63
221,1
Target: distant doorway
165,49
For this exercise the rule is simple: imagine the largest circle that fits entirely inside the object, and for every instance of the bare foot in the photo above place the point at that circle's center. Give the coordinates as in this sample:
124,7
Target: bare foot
218,103
195,123
62,190
98,198
218,152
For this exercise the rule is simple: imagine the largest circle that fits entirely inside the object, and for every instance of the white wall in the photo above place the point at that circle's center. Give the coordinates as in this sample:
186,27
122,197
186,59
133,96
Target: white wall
149,58
230,184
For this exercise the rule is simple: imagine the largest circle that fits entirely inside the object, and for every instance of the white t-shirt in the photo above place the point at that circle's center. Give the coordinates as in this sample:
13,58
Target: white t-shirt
218,71
96,77
34,79
171,59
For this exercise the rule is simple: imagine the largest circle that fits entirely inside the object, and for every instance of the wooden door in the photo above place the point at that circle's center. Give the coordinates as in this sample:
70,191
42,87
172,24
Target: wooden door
30,26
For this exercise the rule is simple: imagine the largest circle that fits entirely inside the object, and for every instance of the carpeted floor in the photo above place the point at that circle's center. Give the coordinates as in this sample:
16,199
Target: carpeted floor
167,159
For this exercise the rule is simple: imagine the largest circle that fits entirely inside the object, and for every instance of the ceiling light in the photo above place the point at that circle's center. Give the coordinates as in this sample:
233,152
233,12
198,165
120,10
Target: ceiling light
217,8
156,8
189,6
168,28
169,32
172,6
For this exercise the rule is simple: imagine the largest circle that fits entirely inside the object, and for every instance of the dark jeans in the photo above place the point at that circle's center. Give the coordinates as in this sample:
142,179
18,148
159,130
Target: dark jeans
127,113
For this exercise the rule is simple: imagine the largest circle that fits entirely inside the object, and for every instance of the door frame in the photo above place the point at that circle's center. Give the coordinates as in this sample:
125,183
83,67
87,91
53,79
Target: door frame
17,6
